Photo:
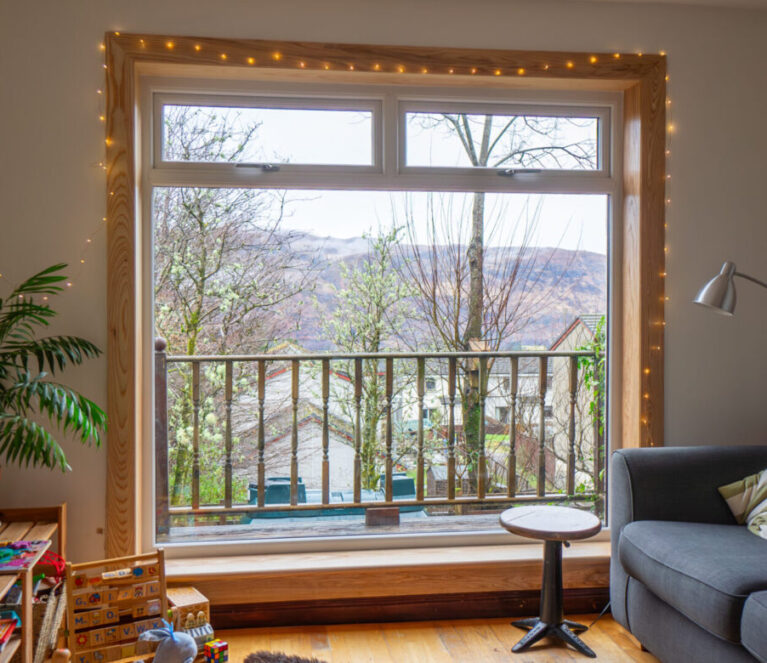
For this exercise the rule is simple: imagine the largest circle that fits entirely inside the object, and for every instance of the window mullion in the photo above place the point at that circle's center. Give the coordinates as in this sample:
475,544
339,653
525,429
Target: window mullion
390,138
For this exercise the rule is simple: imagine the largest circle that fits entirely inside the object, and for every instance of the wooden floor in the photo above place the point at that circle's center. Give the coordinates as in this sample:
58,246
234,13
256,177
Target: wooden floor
467,641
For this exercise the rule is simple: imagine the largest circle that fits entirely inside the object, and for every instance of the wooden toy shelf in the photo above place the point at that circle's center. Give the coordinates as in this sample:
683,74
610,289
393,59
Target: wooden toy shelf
28,525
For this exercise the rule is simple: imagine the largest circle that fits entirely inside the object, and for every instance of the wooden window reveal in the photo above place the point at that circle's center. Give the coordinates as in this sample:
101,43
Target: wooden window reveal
642,80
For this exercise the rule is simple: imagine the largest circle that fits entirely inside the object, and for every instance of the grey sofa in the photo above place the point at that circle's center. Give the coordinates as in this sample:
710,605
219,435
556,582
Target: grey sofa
685,579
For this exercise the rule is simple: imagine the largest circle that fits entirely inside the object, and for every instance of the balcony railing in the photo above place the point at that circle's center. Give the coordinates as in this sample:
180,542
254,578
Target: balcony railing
548,449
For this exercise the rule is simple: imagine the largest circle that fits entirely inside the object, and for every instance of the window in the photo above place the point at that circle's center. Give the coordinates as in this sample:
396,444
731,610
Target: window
272,204
637,81
269,131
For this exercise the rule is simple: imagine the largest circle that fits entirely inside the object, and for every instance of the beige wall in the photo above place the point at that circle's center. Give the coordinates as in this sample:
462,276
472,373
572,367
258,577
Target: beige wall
53,197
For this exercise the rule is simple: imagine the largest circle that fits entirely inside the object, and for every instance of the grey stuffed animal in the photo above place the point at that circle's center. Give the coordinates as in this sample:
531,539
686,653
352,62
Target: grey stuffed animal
173,647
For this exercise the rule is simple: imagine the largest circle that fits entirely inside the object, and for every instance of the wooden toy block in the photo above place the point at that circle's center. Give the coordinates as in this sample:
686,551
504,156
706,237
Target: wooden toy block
110,616
127,631
185,601
116,576
82,620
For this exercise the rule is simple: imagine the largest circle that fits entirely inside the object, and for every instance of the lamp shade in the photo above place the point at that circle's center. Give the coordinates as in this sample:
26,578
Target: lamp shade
719,293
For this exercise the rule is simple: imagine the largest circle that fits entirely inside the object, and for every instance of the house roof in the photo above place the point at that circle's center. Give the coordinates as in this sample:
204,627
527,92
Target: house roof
588,320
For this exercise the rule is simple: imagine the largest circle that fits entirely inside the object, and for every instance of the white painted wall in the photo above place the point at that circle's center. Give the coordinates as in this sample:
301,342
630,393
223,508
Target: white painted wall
53,198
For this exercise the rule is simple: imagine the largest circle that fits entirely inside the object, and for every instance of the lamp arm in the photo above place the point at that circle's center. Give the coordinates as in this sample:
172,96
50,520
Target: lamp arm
752,279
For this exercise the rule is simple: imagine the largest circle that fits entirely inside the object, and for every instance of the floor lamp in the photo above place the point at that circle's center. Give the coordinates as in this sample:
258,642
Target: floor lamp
719,293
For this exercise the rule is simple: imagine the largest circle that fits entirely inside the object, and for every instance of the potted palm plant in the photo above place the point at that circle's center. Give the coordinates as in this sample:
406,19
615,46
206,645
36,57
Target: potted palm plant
29,390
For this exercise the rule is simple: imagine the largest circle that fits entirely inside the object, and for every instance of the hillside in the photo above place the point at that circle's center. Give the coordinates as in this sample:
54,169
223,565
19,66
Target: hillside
567,284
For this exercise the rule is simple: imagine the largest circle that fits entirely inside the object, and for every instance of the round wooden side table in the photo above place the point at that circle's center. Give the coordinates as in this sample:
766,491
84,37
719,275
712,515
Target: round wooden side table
554,525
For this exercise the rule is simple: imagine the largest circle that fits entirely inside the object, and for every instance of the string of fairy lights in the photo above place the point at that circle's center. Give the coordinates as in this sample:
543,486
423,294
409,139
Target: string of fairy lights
279,59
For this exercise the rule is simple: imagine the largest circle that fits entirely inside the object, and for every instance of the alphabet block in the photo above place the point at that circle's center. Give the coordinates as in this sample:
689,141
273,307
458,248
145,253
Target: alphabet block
127,631
116,576
82,620
83,640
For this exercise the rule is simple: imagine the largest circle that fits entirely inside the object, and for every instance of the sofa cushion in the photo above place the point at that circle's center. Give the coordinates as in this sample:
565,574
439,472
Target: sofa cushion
753,634
747,499
705,571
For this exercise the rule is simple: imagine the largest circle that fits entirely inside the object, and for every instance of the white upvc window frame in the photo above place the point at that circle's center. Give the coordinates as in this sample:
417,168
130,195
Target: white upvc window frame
389,172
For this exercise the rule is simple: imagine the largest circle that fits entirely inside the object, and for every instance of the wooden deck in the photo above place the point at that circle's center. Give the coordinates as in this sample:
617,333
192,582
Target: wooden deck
280,528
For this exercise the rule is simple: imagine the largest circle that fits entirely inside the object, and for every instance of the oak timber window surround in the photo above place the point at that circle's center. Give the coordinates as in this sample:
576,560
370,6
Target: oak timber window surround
639,81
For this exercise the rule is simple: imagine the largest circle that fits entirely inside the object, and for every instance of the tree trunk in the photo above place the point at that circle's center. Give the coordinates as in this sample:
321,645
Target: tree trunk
470,401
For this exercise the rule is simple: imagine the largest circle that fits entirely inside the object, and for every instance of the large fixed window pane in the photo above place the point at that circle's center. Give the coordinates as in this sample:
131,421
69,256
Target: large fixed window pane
242,271
304,136
503,141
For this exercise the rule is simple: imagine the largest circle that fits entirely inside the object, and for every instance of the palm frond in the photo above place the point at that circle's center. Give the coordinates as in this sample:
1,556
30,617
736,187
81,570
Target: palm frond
24,394
52,352
20,317
42,283
24,441
71,411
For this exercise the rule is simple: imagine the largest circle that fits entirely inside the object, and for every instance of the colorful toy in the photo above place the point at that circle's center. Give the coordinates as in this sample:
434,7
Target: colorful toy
216,651
173,646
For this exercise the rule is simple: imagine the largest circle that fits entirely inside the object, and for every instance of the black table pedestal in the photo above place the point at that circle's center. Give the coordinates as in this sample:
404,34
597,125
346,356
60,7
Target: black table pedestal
551,621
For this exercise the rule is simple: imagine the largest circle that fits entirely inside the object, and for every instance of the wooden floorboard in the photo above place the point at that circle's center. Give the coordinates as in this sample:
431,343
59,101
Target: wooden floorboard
454,641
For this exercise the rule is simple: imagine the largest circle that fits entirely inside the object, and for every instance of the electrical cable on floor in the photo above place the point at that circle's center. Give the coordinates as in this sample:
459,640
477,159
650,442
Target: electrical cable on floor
601,614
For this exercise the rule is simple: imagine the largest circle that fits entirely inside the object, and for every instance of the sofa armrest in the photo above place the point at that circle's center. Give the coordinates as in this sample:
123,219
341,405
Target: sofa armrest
671,483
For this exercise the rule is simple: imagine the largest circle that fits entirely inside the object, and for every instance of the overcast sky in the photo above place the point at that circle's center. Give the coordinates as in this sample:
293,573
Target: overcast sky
345,137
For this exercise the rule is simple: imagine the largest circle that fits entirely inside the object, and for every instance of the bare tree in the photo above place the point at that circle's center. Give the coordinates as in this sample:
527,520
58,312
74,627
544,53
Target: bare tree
226,273
463,309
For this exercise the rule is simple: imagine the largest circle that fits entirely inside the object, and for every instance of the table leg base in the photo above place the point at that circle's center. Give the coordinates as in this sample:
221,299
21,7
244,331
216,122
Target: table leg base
566,631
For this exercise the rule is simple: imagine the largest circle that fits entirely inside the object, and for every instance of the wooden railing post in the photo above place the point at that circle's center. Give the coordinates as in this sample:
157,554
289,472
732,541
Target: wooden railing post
294,374
482,468
196,434
228,434
325,431
357,429
261,432
421,370
542,386
511,483
388,405
162,494
573,375
451,377
598,443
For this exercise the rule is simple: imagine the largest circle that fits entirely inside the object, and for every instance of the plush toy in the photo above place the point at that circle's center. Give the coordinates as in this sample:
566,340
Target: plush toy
173,647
